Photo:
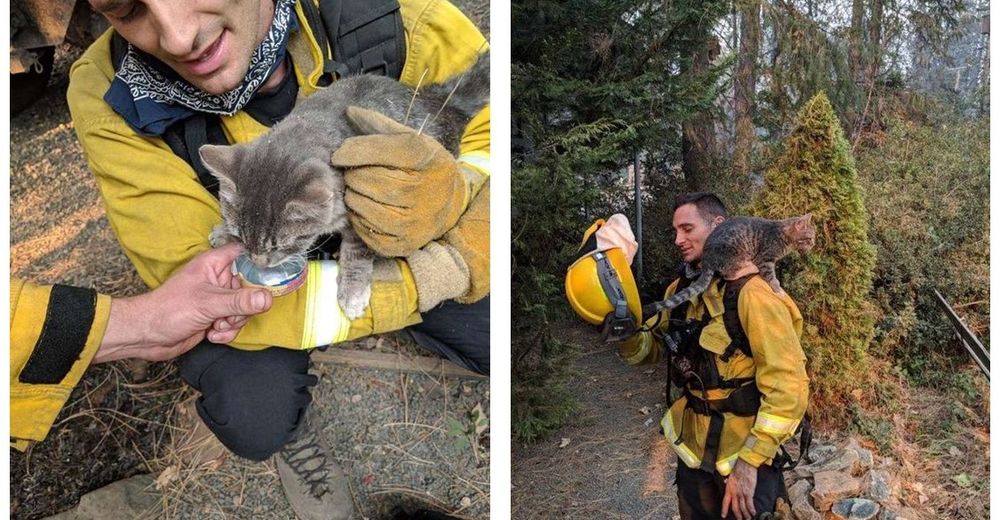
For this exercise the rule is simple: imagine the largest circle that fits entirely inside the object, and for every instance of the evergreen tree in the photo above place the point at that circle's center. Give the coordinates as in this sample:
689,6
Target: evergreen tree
831,283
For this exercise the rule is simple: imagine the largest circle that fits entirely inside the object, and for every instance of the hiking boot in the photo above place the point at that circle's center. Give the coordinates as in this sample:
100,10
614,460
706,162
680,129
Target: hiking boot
314,483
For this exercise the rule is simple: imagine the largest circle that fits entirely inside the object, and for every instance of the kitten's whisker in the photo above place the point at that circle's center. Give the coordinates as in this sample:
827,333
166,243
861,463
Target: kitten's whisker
459,82
414,97
421,129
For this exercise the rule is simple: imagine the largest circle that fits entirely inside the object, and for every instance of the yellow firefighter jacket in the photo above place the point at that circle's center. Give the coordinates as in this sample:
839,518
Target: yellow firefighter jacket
54,333
773,325
162,215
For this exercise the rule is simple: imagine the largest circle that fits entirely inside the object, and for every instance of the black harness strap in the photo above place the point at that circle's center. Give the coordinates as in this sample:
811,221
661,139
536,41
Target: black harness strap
731,318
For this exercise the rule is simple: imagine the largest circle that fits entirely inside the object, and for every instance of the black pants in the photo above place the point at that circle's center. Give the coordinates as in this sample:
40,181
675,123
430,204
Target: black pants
254,400
700,493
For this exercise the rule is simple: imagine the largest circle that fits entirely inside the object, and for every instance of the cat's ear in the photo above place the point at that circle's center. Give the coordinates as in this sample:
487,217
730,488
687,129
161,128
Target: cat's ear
313,198
220,162
802,223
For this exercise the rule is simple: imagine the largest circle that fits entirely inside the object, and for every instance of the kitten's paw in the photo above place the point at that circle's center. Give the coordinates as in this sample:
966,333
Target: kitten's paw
353,299
218,237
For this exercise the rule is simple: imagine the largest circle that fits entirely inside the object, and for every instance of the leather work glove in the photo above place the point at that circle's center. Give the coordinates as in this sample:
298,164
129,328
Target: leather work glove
403,189
457,266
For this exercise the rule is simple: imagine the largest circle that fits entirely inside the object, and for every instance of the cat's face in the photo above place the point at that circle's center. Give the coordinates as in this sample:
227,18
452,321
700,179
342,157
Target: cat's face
801,233
271,203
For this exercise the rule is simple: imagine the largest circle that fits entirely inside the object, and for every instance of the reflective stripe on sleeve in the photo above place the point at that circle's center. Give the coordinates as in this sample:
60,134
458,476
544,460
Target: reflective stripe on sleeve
725,466
325,323
774,424
478,159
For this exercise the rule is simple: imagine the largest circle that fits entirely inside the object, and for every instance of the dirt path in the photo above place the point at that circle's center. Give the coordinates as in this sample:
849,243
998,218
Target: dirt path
615,464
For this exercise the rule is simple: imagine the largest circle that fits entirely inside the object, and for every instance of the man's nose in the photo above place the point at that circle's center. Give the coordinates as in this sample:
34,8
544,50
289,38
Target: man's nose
678,240
176,26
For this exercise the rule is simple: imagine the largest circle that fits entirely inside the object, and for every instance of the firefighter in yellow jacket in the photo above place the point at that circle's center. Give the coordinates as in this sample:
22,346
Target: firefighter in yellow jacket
727,433
175,74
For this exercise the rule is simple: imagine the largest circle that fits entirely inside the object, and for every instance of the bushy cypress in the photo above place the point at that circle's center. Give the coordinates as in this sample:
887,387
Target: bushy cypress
831,283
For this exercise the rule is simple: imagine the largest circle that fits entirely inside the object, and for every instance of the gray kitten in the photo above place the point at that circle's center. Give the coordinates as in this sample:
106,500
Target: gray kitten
279,193
738,240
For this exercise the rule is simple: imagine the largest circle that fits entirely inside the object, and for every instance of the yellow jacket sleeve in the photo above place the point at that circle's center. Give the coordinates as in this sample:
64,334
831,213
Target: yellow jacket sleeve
643,348
54,333
773,325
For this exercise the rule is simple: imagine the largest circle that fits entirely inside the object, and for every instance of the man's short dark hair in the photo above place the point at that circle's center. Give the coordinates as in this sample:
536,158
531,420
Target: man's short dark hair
709,204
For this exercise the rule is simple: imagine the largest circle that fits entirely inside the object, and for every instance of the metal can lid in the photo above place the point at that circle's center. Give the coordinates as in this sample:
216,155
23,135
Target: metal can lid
270,276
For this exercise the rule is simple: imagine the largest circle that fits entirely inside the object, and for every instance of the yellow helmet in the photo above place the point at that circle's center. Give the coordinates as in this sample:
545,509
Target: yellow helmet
601,290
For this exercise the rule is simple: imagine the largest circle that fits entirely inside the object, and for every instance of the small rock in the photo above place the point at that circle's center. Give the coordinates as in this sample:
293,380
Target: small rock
801,510
465,502
356,398
821,453
879,485
902,513
865,459
831,486
855,509
564,442
130,498
846,460
799,491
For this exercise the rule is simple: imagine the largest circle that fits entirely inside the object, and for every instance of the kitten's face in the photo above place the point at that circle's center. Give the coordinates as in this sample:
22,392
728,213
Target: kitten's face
272,204
801,232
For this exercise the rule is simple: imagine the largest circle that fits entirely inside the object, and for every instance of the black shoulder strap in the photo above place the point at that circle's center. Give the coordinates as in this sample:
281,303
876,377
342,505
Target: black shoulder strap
731,318
680,312
366,36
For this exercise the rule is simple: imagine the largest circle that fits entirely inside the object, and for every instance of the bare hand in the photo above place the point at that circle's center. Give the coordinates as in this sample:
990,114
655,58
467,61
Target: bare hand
203,299
740,487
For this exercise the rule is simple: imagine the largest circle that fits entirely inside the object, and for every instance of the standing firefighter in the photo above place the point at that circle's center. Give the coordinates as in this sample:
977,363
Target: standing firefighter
735,355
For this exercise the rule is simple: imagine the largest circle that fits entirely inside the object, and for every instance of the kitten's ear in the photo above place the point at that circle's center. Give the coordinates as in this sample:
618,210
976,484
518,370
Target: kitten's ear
220,161
804,222
316,192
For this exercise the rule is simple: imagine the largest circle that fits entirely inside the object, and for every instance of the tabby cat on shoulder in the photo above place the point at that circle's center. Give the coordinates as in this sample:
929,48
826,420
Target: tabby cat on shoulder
741,240
279,193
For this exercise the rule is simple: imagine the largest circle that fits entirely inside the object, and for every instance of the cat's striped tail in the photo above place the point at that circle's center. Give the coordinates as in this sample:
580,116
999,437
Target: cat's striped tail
697,287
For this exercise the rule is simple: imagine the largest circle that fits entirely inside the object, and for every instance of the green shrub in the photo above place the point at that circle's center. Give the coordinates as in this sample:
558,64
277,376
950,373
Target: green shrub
928,197
816,174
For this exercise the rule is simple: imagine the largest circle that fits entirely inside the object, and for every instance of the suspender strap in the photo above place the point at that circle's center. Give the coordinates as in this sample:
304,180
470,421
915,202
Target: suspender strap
185,138
731,318
680,312
712,442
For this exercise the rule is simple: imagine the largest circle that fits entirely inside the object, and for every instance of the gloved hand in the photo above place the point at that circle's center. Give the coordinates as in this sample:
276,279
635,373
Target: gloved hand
457,266
402,189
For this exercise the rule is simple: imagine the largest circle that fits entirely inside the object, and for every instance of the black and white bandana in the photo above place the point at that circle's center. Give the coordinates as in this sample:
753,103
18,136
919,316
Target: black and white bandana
151,96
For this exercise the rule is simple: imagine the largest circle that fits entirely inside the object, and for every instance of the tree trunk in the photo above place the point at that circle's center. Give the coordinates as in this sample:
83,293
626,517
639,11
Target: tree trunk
874,41
856,40
745,87
698,144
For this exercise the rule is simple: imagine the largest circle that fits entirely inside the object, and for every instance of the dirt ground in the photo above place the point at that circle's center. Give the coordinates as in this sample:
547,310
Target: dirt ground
403,438
608,462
